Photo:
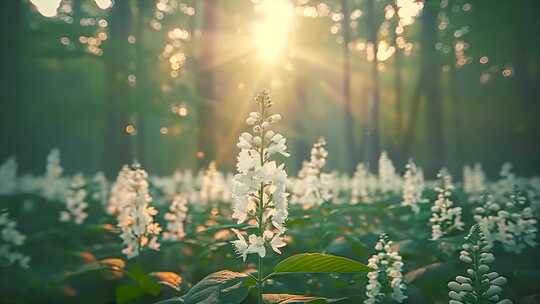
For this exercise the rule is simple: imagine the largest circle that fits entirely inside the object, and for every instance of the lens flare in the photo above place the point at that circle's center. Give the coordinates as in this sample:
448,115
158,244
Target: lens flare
271,32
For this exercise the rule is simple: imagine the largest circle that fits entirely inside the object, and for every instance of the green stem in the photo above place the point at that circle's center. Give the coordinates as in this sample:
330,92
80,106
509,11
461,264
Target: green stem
477,279
260,279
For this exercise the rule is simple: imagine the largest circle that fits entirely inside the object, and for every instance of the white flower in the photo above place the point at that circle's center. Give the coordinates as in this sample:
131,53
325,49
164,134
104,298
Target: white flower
313,187
101,183
363,184
413,187
389,180
386,282
240,245
465,288
509,221
444,217
175,219
8,176
136,217
277,242
75,201
214,187
255,244
474,181
53,187
121,191
259,189
11,238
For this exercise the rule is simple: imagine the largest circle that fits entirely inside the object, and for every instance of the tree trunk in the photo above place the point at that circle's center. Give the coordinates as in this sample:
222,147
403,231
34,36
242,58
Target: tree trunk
143,81
373,131
457,98
206,107
346,87
398,92
11,85
117,145
410,134
434,108
301,151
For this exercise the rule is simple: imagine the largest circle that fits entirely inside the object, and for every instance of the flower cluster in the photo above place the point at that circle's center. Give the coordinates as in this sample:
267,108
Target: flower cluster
511,223
389,180
175,219
474,181
75,202
259,188
120,191
506,183
101,186
444,217
214,186
8,176
313,187
362,184
386,282
11,238
480,284
53,186
136,217
413,187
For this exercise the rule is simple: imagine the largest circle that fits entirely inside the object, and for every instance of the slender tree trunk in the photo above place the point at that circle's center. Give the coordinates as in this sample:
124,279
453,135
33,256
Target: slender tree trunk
398,92
364,122
143,81
434,107
409,139
457,98
301,144
374,146
11,13
207,106
117,151
346,87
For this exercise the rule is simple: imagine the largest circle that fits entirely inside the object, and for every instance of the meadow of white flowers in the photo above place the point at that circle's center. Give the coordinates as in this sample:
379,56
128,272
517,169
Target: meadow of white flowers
248,231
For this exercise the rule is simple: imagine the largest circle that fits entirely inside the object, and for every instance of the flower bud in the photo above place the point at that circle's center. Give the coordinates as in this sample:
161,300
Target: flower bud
499,281
493,290
483,269
462,279
274,118
454,295
454,286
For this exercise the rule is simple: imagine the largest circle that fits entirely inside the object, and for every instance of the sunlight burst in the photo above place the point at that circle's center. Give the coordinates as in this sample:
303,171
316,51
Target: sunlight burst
271,32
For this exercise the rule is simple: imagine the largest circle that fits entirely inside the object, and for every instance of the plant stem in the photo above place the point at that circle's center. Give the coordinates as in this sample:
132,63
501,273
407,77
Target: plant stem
260,281
261,211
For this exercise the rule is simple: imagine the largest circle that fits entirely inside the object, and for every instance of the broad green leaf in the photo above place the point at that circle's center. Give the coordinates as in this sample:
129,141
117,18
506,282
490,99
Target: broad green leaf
147,283
319,263
289,298
127,293
224,286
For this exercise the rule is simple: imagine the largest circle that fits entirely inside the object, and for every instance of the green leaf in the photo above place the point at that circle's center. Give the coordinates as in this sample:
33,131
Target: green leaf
289,298
127,293
147,283
224,286
319,263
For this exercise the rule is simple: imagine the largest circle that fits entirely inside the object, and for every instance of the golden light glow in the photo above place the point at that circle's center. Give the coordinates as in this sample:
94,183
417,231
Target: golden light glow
199,154
130,129
47,8
182,111
271,31
103,4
